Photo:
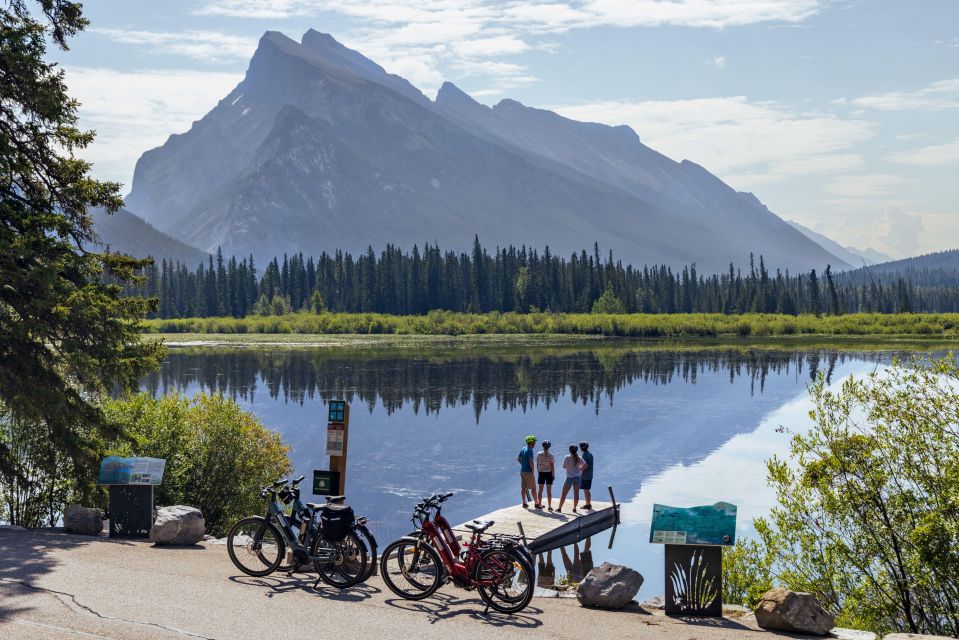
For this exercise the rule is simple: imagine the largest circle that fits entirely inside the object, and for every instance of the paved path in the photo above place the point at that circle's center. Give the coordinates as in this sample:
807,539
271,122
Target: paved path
54,585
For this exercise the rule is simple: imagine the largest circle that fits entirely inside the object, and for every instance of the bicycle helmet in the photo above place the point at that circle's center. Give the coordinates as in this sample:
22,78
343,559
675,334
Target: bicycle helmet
584,445
547,444
530,439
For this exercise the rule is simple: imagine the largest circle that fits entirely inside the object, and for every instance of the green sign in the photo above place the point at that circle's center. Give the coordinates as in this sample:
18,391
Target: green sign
337,411
326,483
713,524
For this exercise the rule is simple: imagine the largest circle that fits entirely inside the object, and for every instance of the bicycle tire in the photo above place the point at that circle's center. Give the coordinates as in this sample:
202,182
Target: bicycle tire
495,596
253,547
366,536
422,586
349,566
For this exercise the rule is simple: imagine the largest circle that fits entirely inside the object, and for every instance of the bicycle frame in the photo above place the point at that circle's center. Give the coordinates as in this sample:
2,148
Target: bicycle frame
460,571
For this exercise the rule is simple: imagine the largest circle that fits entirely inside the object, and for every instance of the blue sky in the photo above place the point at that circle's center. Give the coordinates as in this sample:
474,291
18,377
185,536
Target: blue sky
840,114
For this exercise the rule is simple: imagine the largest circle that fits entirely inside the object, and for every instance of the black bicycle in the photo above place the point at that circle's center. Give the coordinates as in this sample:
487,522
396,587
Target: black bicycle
257,545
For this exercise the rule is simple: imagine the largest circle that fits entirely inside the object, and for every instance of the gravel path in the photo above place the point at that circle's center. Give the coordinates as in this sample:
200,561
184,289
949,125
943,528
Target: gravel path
54,585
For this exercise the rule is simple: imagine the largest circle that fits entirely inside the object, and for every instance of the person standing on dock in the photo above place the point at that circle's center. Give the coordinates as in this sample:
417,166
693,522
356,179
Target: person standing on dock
526,479
546,466
586,483
574,466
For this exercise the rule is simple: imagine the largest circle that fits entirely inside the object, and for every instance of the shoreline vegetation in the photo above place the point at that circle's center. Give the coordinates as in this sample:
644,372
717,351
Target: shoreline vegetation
553,328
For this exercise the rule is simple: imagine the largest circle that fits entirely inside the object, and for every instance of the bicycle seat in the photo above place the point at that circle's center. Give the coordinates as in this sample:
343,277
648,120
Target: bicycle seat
314,505
330,499
477,526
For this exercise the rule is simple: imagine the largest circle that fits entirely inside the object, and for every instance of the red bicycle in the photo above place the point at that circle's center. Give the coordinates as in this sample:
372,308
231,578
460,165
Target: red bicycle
415,566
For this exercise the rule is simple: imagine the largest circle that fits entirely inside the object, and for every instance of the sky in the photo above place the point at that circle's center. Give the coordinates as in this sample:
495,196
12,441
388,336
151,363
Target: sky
842,115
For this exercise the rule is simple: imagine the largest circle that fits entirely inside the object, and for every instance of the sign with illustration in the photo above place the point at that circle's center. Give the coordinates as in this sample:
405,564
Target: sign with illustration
713,524
337,412
335,439
694,580
117,470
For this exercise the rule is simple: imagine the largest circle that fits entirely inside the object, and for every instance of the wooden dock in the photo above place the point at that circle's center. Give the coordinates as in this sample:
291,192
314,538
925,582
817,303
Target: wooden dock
545,530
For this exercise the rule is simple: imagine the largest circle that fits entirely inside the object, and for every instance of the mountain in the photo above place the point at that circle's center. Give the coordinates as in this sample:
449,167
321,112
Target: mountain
319,148
125,232
852,255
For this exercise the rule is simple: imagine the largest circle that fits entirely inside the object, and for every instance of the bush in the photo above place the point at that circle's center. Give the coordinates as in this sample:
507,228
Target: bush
868,504
218,456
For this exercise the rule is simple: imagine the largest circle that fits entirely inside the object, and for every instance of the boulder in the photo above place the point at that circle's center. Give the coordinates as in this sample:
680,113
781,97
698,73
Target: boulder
609,586
793,611
83,520
178,524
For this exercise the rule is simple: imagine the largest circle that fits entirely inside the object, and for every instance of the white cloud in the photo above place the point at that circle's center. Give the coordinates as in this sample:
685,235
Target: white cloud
495,46
756,142
930,156
865,186
207,46
943,94
719,62
900,231
140,110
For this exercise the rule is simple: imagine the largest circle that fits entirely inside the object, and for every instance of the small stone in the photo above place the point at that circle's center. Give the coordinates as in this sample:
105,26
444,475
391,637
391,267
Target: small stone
83,520
609,586
793,611
656,602
178,524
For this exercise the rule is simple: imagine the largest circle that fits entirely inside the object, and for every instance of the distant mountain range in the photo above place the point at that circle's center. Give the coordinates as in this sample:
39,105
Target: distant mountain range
931,269
851,255
124,232
318,148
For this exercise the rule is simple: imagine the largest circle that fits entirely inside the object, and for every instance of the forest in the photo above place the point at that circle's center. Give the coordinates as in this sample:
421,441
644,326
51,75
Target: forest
524,280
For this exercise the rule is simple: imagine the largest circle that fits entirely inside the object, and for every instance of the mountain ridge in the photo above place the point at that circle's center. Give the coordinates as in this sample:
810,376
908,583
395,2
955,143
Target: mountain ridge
377,162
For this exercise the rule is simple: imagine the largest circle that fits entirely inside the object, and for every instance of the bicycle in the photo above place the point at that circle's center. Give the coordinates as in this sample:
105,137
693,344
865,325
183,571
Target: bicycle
496,567
303,518
337,554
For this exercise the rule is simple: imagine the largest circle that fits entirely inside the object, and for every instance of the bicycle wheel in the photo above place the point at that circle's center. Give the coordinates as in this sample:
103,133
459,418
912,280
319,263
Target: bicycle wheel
340,564
411,568
366,537
255,546
509,578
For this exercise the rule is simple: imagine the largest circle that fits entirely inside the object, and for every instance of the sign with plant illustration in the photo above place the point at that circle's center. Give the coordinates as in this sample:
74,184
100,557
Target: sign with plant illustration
694,580
713,524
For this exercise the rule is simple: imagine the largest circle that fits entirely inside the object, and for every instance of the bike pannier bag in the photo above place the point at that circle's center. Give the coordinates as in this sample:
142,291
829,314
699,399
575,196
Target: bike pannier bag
336,520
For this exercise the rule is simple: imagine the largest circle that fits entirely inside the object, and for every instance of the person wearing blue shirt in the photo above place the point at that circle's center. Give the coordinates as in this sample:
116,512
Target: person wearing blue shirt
586,483
527,481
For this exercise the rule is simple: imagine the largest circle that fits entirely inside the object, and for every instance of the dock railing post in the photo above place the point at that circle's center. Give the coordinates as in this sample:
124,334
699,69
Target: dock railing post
612,499
522,533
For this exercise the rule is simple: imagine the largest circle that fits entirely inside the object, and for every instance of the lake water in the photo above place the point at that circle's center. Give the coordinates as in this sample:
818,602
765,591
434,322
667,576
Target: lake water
680,427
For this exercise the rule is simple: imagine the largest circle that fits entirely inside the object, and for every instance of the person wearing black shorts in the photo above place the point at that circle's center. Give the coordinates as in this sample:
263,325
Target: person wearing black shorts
586,483
546,465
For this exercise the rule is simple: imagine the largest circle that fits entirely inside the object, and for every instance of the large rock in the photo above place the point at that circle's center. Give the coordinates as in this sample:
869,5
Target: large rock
609,586
83,520
793,611
178,524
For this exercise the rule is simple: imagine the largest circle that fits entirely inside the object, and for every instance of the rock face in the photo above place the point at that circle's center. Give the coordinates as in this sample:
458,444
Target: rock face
178,524
609,586
83,520
793,611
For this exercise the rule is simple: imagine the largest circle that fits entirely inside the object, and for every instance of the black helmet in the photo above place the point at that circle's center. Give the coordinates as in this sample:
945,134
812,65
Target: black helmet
584,445
547,444
573,448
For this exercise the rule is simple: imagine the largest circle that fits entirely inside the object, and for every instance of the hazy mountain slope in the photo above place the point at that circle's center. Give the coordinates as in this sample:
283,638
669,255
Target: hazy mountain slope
127,233
853,256
941,260
318,148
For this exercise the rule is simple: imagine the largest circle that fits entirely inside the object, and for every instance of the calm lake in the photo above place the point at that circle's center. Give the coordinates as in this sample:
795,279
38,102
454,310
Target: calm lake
680,426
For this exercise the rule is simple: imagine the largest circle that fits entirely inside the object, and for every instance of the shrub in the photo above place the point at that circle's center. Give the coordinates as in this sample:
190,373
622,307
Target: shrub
218,455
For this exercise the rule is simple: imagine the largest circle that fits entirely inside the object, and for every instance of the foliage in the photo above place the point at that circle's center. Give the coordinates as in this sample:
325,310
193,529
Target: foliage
868,503
522,279
218,456
747,573
65,334
608,302
447,323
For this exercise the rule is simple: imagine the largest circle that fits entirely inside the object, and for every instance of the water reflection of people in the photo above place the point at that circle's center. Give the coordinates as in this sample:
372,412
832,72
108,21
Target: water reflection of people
574,566
545,570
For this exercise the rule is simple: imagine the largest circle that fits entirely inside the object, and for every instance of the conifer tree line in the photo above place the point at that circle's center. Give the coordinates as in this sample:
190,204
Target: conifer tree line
521,280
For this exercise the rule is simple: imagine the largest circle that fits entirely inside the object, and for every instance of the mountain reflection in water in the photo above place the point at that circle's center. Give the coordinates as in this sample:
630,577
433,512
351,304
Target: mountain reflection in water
423,423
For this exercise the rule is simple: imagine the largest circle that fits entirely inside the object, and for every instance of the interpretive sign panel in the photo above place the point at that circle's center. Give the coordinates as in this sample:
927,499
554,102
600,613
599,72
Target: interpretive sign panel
117,470
694,580
325,483
335,439
713,524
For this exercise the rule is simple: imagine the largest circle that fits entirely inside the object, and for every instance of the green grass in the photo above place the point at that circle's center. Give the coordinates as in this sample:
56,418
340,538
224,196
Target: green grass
670,326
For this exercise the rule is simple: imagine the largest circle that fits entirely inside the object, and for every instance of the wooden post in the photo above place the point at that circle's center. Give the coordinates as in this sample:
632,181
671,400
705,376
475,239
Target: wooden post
339,421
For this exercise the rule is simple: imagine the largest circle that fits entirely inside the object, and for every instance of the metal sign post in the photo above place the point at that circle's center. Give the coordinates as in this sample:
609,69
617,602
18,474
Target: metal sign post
337,437
694,538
